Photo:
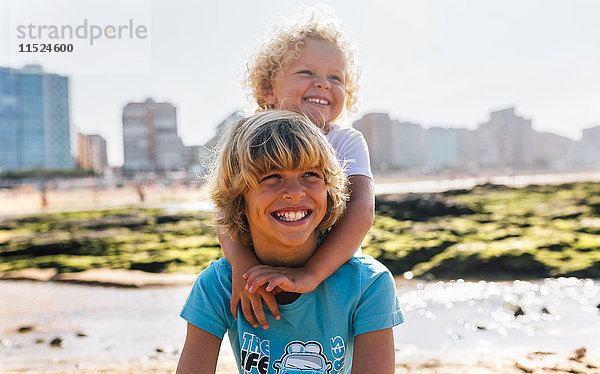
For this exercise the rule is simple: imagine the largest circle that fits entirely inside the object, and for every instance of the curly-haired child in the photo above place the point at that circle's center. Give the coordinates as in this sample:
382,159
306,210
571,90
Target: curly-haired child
307,64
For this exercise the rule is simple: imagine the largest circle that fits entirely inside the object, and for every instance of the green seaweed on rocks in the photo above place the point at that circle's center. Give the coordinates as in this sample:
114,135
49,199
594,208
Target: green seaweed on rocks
131,238
531,232
487,232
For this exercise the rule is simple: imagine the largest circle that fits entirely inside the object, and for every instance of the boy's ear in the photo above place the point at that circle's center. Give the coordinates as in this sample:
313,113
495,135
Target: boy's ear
268,93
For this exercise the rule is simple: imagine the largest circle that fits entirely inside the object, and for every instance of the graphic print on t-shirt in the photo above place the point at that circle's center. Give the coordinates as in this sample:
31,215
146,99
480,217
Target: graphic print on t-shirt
255,354
303,358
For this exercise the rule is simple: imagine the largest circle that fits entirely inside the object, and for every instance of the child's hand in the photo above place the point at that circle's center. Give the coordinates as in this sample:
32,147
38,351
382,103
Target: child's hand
288,279
252,303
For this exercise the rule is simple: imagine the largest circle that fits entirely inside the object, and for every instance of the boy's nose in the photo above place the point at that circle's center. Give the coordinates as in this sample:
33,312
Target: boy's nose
293,189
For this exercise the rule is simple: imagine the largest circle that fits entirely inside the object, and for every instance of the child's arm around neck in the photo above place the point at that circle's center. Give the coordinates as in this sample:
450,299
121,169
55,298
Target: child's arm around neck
347,235
241,259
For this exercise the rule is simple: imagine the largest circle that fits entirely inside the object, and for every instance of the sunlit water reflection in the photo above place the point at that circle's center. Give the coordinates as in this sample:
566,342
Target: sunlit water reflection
467,319
454,319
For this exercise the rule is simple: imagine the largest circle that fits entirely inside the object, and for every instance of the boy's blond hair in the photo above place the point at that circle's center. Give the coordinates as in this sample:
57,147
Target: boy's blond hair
267,141
283,46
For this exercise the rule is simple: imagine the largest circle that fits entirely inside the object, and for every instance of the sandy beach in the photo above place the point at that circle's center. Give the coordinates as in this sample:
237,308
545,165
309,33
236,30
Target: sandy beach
73,303
536,362
26,200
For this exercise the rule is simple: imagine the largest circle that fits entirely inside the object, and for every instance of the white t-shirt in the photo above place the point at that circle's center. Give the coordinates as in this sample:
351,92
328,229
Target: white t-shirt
351,150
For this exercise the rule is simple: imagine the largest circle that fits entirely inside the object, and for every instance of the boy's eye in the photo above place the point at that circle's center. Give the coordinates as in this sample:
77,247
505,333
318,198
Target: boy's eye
307,72
270,176
313,174
336,78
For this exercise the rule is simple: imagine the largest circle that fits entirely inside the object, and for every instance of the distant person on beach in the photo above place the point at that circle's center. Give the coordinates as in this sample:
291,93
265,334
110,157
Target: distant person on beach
307,65
279,187
140,192
44,198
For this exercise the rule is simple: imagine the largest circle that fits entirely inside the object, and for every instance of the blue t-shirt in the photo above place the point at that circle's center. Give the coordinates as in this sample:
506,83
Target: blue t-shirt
315,333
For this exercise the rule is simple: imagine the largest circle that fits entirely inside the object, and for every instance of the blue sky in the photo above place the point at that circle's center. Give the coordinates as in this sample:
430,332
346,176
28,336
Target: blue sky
434,62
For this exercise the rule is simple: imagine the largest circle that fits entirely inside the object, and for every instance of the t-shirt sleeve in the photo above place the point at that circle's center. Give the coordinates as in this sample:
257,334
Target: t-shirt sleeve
352,150
207,305
378,307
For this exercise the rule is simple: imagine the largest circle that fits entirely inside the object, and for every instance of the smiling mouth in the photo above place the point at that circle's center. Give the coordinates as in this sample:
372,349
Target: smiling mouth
316,100
289,216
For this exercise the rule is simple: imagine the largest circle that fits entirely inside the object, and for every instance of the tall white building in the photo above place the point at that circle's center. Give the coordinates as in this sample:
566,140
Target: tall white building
150,139
393,145
222,129
377,129
587,150
468,150
409,145
554,151
592,135
506,140
441,147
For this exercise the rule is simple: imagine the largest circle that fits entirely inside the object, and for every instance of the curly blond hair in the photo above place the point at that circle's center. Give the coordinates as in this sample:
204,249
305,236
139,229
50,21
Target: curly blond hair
271,140
283,46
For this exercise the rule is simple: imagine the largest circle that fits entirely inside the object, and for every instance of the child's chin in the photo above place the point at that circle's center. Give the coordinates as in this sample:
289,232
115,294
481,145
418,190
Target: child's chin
295,241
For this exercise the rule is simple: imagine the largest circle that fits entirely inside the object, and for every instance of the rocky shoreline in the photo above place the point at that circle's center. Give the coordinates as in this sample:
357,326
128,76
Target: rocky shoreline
103,277
488,232
491,232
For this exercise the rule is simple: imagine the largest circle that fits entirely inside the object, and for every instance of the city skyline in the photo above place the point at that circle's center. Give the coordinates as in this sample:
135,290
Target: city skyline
449,64
506,141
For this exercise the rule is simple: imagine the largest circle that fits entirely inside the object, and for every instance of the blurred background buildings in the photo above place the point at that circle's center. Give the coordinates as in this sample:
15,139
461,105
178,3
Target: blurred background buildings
151,142
35,127
36,133
92,152
506,142
150,138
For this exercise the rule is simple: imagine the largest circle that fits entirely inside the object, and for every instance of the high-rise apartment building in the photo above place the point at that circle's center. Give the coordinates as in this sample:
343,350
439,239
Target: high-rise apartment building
553,151
376,129
409,145
150,139
201,155
222,129
587,150
592,135
441,147
393,145
35,127
92,152
468,150
506,140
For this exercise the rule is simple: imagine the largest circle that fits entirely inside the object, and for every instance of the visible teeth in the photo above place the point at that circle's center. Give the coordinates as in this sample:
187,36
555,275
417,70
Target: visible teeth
318,101
292,216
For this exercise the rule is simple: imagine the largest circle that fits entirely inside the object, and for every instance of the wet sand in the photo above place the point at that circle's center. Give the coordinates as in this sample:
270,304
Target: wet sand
104,277
133,330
